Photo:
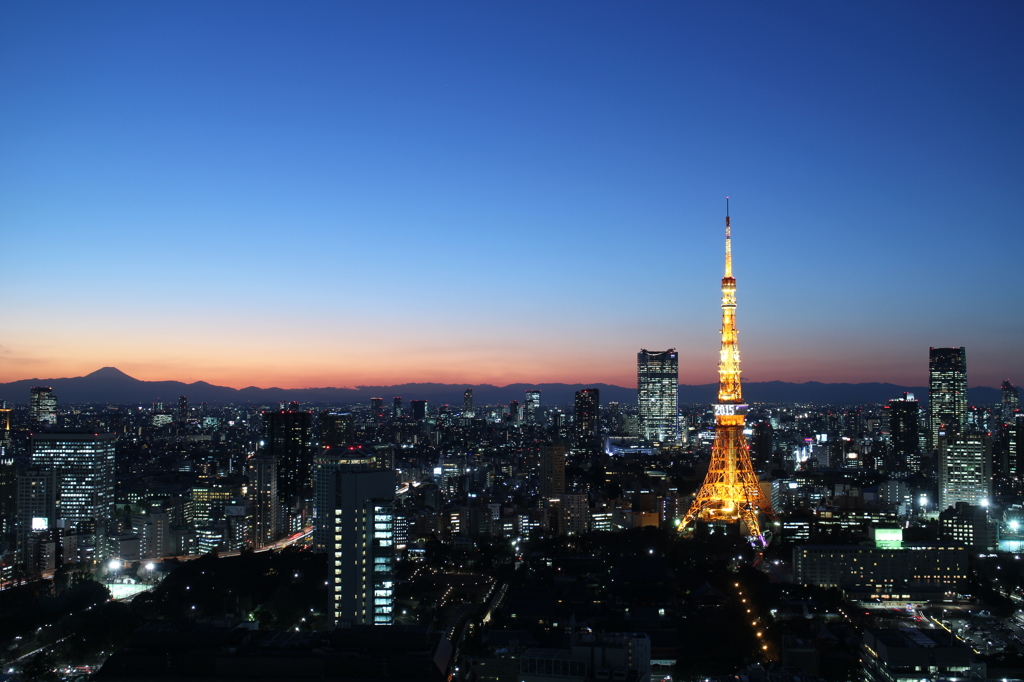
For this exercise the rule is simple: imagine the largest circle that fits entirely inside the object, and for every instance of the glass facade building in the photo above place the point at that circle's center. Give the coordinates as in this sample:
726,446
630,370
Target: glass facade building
947,392
657,380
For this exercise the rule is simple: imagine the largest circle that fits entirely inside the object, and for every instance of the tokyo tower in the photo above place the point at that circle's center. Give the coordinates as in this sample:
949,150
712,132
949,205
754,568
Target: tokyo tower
731,491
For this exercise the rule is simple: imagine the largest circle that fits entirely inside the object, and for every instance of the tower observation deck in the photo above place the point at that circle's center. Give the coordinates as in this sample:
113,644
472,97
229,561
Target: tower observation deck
731,491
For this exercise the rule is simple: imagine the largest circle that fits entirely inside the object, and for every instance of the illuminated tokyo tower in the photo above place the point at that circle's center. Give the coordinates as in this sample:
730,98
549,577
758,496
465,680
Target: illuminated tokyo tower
731,491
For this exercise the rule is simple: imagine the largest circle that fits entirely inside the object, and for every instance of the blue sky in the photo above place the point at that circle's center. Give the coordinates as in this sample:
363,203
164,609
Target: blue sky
311,194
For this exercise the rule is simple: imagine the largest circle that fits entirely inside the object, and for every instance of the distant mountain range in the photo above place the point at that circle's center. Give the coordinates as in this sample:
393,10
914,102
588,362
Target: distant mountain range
111,385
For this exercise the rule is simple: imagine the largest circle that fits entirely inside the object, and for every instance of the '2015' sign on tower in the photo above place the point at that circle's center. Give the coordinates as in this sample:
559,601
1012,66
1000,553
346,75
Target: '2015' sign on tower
731,491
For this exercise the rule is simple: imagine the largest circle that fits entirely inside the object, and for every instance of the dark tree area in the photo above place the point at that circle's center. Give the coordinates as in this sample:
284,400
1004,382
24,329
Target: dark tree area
71,620
280,590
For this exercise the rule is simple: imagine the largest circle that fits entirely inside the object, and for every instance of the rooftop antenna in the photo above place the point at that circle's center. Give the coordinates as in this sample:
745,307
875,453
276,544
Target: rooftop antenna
728,241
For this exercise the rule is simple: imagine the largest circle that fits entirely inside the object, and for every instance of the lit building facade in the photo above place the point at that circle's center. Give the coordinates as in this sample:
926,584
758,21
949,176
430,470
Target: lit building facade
657,382
262,493
361,546
84,462
947,392
891,572
532,407
42,406
965,470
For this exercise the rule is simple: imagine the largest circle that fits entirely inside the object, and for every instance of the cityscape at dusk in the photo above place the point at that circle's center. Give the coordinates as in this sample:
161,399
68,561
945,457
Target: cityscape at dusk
402,341
350,194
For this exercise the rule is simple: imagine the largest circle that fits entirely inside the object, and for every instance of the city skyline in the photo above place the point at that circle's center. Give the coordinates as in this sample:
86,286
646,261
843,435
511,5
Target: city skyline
358,195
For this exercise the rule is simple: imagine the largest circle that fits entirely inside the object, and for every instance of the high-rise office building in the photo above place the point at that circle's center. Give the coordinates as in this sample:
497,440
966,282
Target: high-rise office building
515,411
42,406
326,465
182,409
336,428
587,425
360,546
36,496
552,470
1011,401
965,470
532,407
287,437
467,403
419,409
903,426
263,496
657,380
377,406
1015,447
947,392
85,464
396,407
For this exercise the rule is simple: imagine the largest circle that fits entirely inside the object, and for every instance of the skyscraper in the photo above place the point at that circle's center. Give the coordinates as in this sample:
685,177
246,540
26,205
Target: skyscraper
552,470
965,470
657,394
419,409
360,546
263,496
287,437
182,409
532,407
587,427
467,403
947,392
84,466
396,407
1015,447
1011,401
903,417
42,406
336,428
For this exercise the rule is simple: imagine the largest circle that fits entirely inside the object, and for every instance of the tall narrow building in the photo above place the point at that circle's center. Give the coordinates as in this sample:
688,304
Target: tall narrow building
657,381
263,496
532,407
360,545
552,470
587,426
903,426
287,437
467,403
731,492
1011,402
947,392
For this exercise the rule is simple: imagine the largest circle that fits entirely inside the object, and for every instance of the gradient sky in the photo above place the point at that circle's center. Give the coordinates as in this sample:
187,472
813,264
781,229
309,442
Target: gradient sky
339,193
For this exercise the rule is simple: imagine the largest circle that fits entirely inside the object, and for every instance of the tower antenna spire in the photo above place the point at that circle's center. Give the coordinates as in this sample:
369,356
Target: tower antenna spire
728,241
